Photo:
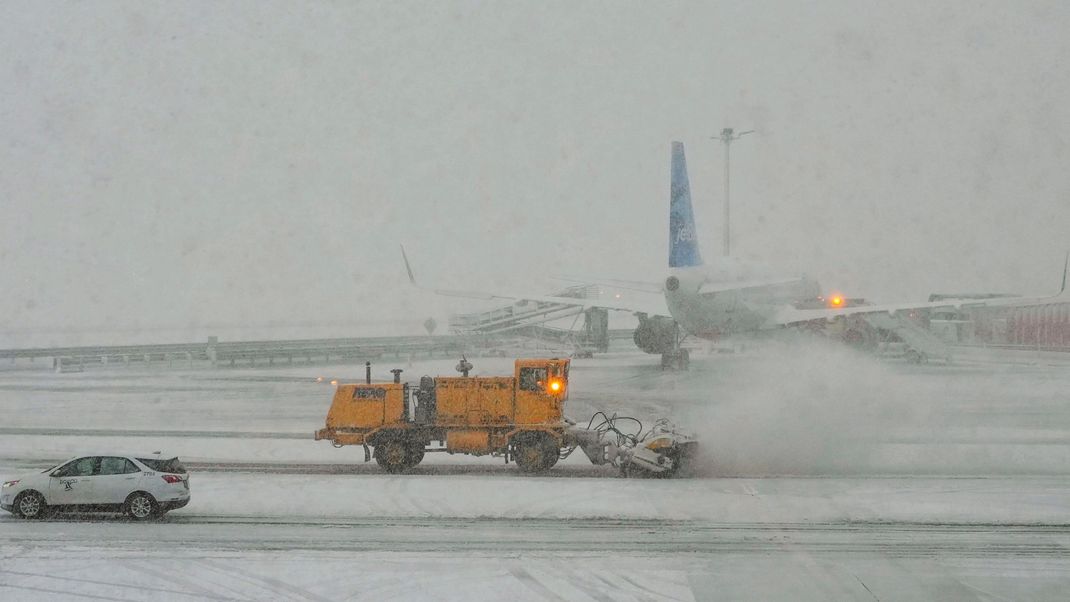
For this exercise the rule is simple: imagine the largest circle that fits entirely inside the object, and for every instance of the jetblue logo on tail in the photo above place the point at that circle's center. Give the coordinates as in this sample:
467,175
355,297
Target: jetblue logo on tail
683,243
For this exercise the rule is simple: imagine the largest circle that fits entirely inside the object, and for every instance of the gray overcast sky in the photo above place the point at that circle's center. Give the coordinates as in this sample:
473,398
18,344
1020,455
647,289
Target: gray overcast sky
181,164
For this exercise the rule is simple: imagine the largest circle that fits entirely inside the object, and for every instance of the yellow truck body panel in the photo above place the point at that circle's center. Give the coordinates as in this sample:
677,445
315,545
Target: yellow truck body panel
465,401
476,415
468,440
367,406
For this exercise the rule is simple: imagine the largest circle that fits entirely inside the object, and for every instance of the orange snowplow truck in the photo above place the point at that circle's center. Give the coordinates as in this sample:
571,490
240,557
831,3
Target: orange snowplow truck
519,417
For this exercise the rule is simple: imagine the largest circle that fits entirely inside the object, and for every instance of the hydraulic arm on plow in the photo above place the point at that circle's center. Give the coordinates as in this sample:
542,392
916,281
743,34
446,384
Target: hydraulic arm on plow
520,418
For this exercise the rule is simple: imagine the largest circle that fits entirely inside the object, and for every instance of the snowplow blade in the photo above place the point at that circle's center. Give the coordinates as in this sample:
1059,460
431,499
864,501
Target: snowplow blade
660,452
665,456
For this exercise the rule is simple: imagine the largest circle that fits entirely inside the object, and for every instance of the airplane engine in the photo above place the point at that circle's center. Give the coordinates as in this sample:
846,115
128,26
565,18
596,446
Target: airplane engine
656,335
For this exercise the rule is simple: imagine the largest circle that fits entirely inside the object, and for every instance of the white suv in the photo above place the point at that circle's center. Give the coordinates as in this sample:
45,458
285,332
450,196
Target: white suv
142,485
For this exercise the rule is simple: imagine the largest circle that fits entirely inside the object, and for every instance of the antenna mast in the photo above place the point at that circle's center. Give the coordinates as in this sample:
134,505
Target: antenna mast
727,136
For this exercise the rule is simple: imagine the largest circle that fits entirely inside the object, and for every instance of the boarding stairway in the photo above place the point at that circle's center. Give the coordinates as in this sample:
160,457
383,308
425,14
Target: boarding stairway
529,319
922,344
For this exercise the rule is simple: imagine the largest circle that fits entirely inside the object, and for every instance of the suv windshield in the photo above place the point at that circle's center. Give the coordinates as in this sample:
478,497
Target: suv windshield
54,467
172,465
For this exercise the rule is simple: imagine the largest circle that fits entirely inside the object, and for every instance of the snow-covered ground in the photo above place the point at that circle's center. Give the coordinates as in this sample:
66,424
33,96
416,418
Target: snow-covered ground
825,475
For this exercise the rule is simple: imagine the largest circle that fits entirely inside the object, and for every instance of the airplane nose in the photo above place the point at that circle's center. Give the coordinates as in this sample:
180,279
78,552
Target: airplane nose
672,283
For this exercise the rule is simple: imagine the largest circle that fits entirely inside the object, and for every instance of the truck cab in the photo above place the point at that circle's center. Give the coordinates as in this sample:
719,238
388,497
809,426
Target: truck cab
541,390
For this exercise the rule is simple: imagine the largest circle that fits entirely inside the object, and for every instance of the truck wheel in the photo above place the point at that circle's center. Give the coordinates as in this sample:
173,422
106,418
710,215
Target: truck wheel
392,455
535,452
416,453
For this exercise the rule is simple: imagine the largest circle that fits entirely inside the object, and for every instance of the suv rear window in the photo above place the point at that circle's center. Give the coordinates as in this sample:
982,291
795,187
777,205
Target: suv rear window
172,466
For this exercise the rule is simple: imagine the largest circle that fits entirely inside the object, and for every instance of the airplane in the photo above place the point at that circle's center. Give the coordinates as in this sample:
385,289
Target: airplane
728,297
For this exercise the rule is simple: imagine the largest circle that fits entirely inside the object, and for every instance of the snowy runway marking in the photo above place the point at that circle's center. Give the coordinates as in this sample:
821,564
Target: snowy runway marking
246,558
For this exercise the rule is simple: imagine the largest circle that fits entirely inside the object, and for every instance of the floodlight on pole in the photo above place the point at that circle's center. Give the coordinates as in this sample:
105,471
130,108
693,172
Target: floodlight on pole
727,136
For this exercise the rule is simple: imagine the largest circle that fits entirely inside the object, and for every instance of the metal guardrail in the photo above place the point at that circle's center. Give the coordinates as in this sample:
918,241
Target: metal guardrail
230,351
1010,347
116,350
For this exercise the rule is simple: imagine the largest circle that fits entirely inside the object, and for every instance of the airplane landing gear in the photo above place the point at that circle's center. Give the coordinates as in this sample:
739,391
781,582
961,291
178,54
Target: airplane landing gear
678,359
662,335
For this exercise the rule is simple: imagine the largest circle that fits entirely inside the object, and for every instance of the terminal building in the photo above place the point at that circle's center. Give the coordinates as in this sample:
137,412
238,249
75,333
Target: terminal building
1032,324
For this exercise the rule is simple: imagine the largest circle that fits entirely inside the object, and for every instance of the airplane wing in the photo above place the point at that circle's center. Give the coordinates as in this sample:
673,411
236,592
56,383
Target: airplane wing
787,316
709,288
652,306
628,285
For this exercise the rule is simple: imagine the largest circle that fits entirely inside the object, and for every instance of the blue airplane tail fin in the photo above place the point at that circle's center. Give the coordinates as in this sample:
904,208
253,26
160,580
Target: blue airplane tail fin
683,242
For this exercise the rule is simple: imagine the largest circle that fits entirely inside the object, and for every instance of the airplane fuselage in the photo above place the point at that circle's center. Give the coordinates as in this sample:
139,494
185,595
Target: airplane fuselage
728,310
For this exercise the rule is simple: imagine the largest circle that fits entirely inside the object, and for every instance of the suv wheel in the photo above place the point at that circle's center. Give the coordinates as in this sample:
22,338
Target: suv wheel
30,504
141,506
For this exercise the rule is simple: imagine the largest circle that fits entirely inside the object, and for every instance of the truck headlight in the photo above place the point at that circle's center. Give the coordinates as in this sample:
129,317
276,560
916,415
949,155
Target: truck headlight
10,484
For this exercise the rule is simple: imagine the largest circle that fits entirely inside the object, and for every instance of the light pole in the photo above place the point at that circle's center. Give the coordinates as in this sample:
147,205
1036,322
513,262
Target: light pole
727,136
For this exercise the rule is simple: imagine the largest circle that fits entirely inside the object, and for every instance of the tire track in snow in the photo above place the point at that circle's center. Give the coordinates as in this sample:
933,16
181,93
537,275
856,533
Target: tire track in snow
532,583
274,586
190,584
140,588
61,592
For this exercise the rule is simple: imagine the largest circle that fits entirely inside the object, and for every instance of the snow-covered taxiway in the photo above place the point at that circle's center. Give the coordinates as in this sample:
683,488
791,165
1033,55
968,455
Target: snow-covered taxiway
825,475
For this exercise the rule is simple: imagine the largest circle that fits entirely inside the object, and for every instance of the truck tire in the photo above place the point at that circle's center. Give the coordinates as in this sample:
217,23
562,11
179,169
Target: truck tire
416,453
392,454
535,452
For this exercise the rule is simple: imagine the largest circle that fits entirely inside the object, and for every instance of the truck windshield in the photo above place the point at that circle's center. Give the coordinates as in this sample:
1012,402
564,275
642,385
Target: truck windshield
532,379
